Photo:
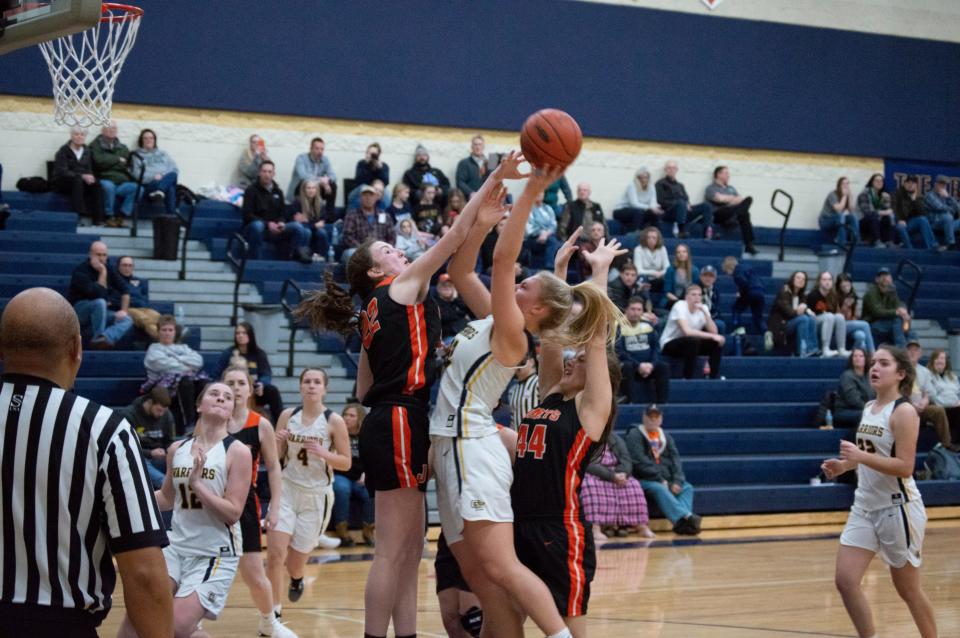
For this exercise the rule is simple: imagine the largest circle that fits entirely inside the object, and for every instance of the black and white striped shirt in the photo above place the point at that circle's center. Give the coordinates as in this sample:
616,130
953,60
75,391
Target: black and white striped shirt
524,396
73,491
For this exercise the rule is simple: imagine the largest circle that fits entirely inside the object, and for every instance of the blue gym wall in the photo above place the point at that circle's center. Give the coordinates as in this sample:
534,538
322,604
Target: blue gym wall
622,72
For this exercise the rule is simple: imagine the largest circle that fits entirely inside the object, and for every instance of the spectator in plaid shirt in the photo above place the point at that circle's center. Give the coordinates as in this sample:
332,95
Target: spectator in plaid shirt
365,223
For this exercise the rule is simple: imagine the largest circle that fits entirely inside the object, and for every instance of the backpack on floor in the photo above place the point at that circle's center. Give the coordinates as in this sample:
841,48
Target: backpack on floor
942,464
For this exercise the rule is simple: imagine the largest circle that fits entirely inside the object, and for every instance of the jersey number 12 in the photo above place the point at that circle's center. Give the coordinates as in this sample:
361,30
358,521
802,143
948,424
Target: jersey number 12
537,443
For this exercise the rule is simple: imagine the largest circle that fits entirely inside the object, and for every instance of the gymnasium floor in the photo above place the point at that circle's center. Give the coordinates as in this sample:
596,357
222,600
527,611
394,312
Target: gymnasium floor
759,583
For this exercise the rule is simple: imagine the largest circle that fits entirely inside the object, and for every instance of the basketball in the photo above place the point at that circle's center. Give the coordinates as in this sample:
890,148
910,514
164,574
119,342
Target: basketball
550,137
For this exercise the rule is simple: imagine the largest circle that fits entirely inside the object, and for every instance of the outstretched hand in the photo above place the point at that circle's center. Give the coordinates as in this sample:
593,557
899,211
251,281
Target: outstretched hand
509,167
565,254
603,256
492,207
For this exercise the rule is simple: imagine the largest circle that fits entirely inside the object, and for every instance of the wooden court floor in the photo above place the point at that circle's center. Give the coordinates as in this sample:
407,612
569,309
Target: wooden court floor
756,583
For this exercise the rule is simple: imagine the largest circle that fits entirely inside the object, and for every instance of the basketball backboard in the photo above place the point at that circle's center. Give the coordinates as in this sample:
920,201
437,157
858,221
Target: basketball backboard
24,23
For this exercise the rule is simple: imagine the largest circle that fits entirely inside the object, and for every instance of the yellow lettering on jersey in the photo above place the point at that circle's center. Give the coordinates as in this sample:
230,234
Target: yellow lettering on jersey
299,438
870,430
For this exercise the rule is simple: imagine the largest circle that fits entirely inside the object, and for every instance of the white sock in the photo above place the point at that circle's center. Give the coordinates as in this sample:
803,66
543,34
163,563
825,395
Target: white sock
564,633
277,609
268,617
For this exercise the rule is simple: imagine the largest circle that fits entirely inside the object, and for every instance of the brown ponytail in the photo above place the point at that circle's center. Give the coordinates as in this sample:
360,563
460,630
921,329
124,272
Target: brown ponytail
330,308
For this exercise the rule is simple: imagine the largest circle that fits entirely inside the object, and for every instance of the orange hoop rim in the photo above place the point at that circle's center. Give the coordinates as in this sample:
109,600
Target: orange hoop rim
129,12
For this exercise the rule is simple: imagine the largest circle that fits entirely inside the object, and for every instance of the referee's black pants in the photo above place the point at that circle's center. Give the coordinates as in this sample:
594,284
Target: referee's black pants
688,348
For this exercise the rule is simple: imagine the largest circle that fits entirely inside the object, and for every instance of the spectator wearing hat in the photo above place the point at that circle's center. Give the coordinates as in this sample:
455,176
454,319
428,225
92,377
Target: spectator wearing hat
888,317
644,376
264,219
472,170
839,214
711,296
454,314
638,206
656,463
417,174
150,416
942,210
541,232
908,210
314,165
365,222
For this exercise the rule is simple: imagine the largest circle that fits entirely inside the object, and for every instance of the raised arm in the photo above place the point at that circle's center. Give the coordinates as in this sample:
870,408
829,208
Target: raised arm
595,401
565,253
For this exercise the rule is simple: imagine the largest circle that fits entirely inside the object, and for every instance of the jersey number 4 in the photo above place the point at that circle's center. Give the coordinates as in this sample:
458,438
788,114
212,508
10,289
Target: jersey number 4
189,500
537,443
302,456
369,323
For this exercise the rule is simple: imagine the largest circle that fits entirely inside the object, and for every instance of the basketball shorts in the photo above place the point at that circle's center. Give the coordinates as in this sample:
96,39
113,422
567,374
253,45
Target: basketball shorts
210,577
563,556
895,533
394,446
448,571
250,525
474,476
304,515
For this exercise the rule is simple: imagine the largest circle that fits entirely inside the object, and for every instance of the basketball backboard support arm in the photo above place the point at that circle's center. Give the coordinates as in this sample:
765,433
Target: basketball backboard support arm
26,23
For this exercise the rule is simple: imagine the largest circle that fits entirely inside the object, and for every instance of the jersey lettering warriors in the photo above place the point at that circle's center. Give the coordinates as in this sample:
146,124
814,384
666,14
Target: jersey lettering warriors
195,531
302,469
876,490
470,386
400,342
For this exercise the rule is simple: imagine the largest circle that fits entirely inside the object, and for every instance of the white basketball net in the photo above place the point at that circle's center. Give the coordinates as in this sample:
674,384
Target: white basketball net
84,66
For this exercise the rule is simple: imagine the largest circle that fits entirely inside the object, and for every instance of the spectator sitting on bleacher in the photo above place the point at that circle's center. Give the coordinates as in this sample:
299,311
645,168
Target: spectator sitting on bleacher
371,167
612,499
690,331
626,286
158,169
352,484
91,286
711,296
889,319
361,224
680,273
730,206
930,413
312,215
595,233
656,463
750,293
551,196
143,316
644,377
248,167
581,212
792,320
854,391
111,163
455,203
944,389
876,209
245,352
382,201
908,210
673,199
416,174
830,321
638,206
839,214
541,232
151,418
263,219
942,210
176,367
856,327
399,208
314,165
651,258
426,210
410,240
454,314
472,170
73,176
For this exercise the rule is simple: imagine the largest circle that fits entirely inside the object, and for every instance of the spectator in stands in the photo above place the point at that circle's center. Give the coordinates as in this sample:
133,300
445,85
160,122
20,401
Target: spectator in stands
889,319
730,206
627,286
151,418
410,240
680,273
158,169
930,413
858,329
311,214
854,391
638,206
248,167
541,233
315,165
711,297
263,219
944,389
399,208
908,211
91,286
73,176
551,195
612,499
351,484
178,368
651,258
656,463
596,232
644,377
673,199
371,167
426,210
361,224
138,288
111,163
455,203
942,210
416,174
750,292
690,331
489,243
580,212
831,323
792,320
245,352
839,214
472,170
454,314
876,210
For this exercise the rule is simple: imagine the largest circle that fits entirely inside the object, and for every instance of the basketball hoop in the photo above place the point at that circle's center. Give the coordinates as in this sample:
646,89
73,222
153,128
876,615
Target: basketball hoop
84,72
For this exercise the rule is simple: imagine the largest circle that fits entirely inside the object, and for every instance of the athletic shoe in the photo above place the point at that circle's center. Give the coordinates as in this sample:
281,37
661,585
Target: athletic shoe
750,249
327,542
768,341
274,629
295,591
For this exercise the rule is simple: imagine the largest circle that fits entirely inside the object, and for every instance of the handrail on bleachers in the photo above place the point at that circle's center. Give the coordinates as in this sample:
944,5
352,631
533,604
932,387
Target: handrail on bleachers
135,218
240,263
783,213
188,225
288,308
914,284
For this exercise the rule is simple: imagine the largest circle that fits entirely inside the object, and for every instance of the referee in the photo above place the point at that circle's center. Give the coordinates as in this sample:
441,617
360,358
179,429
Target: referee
73,490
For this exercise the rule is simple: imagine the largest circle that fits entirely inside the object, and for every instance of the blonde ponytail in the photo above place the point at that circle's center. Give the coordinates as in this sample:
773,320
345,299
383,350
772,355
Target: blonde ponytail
600,317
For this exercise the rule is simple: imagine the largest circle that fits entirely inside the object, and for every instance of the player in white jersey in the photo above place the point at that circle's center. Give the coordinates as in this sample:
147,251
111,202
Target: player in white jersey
472,467
208,476
887,516
313,442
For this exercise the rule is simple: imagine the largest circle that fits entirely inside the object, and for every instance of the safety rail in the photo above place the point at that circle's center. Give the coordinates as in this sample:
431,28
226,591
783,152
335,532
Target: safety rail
289,308
913,285
135,218
240,263
783,213
187,221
